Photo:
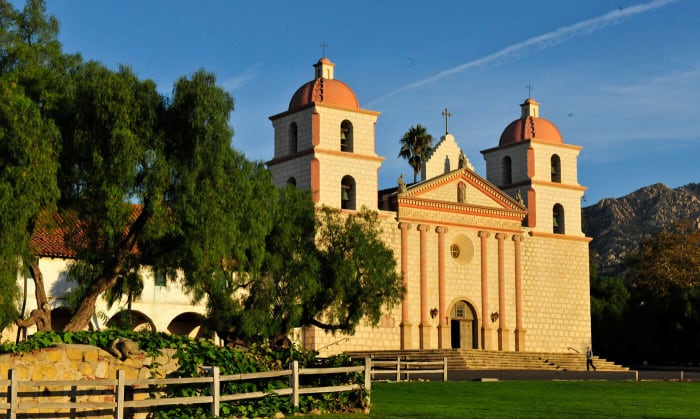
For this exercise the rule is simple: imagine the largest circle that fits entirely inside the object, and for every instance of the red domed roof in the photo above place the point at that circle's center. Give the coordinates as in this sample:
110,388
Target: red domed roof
530,126
324,91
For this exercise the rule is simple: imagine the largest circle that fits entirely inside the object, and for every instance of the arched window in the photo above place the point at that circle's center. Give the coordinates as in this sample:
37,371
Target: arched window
558,219
507,171
346,135
292,182
462,193
293,135
556,169
347,193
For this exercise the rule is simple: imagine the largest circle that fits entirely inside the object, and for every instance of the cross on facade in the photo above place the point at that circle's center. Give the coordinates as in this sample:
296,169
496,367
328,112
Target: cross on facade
529,90
324,46
447,116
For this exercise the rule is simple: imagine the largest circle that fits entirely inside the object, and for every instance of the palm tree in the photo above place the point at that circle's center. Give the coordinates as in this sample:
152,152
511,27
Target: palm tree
416,144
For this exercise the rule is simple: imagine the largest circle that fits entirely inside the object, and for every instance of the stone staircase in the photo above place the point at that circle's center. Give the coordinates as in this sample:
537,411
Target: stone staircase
472,359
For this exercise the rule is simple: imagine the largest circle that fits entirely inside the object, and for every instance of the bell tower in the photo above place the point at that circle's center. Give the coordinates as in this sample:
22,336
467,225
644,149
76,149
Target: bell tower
534,165
325,143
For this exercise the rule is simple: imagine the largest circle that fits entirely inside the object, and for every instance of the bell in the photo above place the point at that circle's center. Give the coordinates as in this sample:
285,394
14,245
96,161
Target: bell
344,196
555,221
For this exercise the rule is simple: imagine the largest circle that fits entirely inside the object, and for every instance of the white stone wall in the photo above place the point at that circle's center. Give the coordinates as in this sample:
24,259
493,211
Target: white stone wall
556,294
568,155
362,127
334,166
518,157
281,127
161,304
443,159
298,168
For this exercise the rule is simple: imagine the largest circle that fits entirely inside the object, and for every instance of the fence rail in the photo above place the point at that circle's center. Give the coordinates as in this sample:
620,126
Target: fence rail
404,368
113,391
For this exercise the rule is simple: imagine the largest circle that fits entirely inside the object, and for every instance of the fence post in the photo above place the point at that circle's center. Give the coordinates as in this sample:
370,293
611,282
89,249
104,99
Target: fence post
120,394
368,378
12,394
294,383
398,369
73,398
444,371
215,391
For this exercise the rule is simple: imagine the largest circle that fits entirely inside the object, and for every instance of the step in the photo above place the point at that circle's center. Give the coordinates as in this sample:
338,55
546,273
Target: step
478,359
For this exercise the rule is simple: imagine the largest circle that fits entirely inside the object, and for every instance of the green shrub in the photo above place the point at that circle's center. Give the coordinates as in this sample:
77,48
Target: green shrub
192,354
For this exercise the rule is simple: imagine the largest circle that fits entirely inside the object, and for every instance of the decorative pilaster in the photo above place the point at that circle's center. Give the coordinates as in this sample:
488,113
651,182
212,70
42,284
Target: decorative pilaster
486,329
519,331
424,326
406,336
503,341
443,319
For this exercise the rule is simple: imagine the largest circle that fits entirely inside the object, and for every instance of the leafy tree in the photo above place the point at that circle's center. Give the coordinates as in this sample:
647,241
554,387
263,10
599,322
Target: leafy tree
321,268
416,144
358,272
146,180
109,164
668,260
27,186
609,315
663,277
290,270
33,73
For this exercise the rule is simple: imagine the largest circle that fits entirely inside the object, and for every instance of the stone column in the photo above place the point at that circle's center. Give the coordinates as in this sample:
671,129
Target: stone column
503,336
406,336
443,318
519,330
486,329
424,326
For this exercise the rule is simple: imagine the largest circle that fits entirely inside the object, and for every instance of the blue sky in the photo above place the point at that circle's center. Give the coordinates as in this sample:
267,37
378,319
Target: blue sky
620,78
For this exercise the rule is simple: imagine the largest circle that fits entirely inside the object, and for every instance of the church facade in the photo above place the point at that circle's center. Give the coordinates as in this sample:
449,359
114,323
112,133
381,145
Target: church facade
493,263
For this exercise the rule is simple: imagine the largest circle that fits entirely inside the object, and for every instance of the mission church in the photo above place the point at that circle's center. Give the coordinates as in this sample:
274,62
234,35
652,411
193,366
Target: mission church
494,263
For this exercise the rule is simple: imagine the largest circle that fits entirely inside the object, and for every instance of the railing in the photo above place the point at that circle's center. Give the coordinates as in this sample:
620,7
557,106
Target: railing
337,342
112,392
404,369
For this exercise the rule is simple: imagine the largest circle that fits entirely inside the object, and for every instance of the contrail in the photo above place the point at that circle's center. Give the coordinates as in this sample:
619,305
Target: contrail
546,40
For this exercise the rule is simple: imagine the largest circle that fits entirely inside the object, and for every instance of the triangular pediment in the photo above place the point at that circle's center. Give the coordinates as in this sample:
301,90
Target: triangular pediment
462,191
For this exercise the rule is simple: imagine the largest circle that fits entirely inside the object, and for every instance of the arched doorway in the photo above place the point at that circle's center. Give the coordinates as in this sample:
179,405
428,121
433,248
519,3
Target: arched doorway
131,320
187,324
464,326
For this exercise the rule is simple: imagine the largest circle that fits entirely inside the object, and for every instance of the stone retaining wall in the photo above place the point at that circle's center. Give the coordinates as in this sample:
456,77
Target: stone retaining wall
79,362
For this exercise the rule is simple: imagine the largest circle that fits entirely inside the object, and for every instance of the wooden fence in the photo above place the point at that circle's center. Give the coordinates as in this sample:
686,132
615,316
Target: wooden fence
20,393
404,368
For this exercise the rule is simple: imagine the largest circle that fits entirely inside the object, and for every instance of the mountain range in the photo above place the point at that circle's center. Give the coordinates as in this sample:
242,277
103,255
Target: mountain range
617,225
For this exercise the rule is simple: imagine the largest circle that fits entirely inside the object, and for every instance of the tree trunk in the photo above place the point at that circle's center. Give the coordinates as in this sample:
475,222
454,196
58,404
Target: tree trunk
41,316
86,307
81,317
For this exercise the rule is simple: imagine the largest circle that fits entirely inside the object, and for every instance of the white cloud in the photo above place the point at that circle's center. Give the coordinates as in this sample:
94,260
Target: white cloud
237,81
647,86
546,40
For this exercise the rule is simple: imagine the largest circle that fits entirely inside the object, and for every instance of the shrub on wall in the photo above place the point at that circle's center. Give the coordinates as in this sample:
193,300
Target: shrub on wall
192,354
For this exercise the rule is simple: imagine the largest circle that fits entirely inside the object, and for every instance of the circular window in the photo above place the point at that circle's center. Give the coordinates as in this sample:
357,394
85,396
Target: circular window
454,251
461,249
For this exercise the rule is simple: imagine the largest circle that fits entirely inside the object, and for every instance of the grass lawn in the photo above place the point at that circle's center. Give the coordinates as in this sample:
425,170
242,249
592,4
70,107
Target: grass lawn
534,399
